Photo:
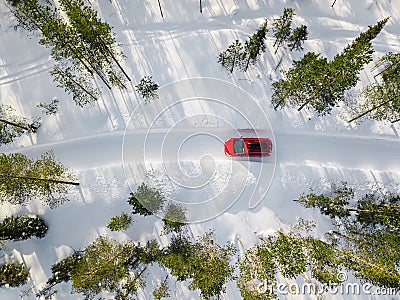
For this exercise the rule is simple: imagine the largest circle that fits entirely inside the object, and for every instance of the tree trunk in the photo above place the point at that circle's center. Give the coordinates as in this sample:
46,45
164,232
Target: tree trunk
159,4
279,63
15,124
333,3
247,63
371,109
372,265
80,86
233,65
201,8
277,45
113,57
41,179
282,99
308,101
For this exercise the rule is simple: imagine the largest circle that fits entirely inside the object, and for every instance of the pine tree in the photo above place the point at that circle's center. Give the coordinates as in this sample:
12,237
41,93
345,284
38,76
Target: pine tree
98,36
13,126
161,290
304,81
286,255
81,44
105,265
281,27
232,57
382,99
22,228
120,222
13,275
49,108
148,89
81,87
315,82
255,46
206,264
146,200
174,218
297,38
347,65
22,179
365,234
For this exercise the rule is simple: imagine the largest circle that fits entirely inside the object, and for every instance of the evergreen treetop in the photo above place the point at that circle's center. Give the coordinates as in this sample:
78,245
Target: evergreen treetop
146,200
315,82
281,26
22,179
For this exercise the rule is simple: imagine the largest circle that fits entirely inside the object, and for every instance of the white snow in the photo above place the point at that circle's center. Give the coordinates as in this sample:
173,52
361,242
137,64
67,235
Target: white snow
176,143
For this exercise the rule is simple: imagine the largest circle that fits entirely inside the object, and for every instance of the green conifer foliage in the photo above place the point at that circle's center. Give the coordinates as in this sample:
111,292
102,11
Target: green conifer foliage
146,200
82,45
147,88
232,57
255,46
13,126
382,99
281,27
120,222
297,38
174,218
13,275
205,263
365,233
22,179
317,83
22,228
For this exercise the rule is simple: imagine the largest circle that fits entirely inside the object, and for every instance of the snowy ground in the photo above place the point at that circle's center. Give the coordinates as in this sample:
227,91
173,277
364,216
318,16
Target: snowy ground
176,143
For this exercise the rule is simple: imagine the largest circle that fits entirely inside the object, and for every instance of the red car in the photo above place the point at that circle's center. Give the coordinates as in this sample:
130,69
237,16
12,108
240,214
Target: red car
248,147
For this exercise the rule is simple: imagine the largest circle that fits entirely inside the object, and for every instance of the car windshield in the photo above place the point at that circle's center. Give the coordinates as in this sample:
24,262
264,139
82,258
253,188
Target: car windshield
238,146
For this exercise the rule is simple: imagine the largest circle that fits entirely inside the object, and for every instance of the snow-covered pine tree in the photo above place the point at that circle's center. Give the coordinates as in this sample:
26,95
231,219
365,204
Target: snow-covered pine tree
174,218
161,290
287,255
232,57
297,38
281,27
13,126
79,84
382,99
13,275
364,234
99,37
148,89
50,108
146,200
22,228
314,82
106,265
205,263
22,179
78,40
255,46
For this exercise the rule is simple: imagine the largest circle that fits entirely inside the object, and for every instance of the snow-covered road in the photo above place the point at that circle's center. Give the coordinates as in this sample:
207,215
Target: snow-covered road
301,148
